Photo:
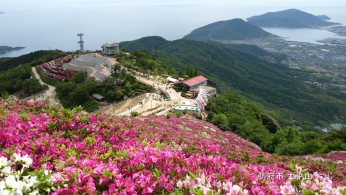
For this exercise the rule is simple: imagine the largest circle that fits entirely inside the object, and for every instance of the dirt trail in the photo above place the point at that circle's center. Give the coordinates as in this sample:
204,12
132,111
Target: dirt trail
50,93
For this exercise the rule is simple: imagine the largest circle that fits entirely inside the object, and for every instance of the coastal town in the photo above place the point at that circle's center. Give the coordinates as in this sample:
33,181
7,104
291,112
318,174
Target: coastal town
326,62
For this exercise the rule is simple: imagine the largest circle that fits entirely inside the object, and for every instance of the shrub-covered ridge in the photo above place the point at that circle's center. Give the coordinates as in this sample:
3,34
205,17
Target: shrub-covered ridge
89,154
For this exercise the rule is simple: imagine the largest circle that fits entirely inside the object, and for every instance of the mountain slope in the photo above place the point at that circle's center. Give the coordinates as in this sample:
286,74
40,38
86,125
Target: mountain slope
291,18
236,29
274,85
61,151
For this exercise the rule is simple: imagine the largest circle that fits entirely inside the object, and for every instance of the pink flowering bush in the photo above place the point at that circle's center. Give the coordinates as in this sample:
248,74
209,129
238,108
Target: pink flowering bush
88,154
303,182
54,69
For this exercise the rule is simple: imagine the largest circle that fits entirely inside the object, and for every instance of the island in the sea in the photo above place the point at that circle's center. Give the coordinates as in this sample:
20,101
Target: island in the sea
5,49
291,18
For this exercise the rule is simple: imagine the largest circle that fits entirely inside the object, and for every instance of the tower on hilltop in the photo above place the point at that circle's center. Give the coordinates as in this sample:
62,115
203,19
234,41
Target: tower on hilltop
81,42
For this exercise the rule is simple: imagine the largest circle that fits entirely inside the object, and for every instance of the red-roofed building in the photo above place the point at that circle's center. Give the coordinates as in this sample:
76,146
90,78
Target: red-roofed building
195,82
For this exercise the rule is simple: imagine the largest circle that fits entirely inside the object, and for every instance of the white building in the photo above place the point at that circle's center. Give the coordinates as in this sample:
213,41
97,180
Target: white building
110,49
172,80
194,110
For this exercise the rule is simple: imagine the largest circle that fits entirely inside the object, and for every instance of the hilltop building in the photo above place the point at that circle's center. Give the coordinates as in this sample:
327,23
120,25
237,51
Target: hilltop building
110,49
195,82
193,85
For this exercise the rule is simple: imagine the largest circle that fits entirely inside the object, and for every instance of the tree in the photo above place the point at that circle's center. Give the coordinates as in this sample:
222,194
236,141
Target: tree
64,89
270,123
134,114
148,72
79,77
337,134
155,72
79,95
109,82
31,86
312,146
89,85
115,68
291,149
220,120
4,95
127,88
189,71
119,94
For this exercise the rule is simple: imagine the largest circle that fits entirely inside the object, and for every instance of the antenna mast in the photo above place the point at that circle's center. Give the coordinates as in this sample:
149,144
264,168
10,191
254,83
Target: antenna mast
81,42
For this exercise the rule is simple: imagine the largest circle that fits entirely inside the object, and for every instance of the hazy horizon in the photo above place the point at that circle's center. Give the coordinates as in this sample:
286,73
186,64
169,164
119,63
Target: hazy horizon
41,24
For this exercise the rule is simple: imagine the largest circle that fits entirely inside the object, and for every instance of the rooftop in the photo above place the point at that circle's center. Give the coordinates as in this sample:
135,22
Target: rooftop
98,96
194,80
110,45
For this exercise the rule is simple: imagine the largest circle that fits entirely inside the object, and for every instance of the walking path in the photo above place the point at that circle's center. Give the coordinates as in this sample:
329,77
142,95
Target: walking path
49,95
139,104
152,100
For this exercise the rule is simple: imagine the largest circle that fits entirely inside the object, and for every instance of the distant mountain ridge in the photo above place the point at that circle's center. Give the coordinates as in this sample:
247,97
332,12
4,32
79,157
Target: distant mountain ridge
291,18
235,29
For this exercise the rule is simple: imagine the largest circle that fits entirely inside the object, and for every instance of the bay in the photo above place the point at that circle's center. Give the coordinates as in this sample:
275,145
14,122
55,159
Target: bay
338,125
303,34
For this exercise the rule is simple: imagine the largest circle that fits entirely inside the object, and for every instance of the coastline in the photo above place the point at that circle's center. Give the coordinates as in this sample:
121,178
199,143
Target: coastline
6,49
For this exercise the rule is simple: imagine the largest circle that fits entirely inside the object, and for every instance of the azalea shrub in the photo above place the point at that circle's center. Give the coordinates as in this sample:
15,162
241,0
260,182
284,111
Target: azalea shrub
67,151
54,69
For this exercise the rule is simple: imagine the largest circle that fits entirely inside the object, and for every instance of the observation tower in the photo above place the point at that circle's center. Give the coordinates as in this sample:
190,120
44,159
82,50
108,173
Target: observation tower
81,42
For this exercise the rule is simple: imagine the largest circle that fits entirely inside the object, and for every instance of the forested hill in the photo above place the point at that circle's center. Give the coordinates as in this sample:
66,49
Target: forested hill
272,85
236,29
291,18
33,58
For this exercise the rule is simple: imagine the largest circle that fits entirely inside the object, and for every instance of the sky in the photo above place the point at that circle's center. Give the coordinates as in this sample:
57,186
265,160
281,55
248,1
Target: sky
37,4
54,23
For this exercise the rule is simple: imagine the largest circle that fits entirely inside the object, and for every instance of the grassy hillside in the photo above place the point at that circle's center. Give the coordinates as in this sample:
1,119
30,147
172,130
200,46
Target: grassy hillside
253,50
236,29
273,85
291,18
